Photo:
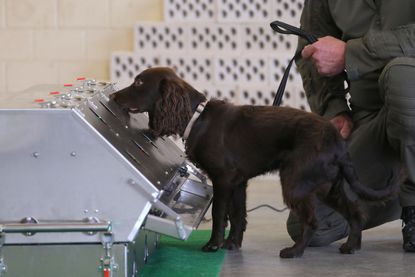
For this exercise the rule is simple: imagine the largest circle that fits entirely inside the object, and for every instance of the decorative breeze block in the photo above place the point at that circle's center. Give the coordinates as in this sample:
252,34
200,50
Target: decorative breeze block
189,10
224,48
161,37
243,10
241,69
288,11
214,37
125,66
293,97
191,68
260,37
222,92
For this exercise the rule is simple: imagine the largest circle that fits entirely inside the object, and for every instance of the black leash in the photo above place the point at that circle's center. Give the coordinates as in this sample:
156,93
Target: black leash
285,28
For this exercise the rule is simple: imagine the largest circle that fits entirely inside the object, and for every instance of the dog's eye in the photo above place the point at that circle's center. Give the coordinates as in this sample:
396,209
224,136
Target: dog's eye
138,82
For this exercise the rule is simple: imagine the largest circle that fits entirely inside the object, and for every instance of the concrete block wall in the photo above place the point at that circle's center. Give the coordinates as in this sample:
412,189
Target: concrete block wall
224,48
55,41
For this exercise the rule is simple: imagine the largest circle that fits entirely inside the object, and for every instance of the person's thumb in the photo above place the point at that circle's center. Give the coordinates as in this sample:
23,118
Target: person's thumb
308,51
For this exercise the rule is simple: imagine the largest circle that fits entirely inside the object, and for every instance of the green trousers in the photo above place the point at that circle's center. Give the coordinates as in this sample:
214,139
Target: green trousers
381,144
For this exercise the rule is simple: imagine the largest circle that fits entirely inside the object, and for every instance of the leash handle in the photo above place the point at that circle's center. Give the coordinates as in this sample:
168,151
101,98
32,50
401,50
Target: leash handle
288,29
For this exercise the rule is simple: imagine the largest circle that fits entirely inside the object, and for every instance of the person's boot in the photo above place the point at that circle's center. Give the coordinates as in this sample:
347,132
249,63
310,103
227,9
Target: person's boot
408,231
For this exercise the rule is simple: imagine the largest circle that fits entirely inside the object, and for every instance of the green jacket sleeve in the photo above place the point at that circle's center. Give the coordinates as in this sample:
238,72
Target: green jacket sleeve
317,20
374,50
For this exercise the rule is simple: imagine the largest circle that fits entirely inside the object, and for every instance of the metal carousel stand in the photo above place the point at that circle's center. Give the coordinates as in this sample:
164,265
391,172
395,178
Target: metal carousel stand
85,189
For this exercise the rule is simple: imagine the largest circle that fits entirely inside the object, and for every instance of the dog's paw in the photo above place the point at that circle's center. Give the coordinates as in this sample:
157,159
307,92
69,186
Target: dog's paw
345,248
290,252
210,247
229,244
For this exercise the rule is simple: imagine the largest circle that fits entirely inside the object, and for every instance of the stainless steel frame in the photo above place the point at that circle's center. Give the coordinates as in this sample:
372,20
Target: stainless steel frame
74,166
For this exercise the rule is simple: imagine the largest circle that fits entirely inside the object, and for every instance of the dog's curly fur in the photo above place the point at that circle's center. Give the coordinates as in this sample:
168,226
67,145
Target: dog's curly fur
235,143
172,111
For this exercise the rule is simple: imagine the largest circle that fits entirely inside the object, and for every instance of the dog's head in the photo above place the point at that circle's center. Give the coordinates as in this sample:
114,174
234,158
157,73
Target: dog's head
161,93
145,91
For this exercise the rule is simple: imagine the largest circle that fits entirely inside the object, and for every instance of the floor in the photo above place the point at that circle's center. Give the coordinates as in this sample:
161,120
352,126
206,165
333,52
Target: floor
381,253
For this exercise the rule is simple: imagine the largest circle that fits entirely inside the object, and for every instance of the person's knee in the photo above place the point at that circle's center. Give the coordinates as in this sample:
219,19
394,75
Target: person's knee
330,229
396,79
397,84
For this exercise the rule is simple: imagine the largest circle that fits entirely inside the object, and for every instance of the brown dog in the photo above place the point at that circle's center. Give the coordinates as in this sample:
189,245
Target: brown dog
235,143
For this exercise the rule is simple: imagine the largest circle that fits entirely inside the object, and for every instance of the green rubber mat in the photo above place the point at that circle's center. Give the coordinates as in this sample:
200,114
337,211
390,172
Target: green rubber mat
184,258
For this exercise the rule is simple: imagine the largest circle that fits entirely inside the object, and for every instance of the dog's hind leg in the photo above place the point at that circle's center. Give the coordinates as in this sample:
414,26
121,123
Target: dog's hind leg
305,211
237,217
293,182
341,202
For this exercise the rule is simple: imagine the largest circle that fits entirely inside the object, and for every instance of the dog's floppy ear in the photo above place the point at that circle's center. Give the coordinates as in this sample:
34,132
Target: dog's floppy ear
172,111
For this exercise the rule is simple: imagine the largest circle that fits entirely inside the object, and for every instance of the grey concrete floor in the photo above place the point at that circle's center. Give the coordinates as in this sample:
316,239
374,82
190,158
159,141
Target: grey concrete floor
381,253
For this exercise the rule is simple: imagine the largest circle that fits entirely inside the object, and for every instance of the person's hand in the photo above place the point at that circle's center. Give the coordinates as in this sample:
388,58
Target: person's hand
343,124
328,55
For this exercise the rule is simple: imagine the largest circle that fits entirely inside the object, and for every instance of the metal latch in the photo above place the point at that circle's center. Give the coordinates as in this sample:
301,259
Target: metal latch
183,171
107,263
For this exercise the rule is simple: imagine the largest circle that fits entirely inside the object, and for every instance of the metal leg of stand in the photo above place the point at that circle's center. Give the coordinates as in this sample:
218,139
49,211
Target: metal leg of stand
3,267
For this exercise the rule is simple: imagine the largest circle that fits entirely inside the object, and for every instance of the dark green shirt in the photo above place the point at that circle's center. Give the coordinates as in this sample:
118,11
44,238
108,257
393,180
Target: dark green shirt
376,31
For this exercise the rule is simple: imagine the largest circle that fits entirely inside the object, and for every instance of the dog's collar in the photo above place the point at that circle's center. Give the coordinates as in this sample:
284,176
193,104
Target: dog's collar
192,121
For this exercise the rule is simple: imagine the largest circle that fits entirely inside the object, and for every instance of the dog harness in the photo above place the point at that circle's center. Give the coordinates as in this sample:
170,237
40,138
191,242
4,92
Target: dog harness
192,121
285,28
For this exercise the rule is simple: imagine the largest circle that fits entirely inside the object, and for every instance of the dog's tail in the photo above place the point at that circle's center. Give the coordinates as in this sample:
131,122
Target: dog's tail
365,192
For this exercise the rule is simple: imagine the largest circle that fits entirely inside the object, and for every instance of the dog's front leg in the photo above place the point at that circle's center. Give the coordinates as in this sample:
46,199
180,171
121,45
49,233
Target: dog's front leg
237,217
221,195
